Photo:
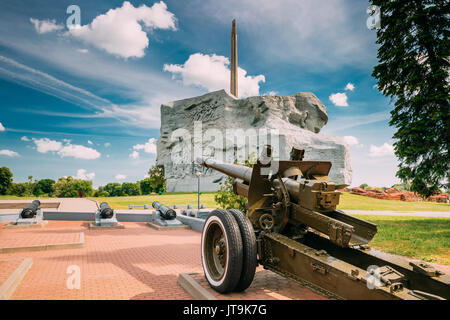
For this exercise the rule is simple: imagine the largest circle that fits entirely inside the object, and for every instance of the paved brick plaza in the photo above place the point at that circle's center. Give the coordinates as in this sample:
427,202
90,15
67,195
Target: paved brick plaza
133,263
137,262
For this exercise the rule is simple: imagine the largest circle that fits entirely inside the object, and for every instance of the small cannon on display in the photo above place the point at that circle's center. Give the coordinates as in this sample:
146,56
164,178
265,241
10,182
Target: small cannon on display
164,217
164,211
31,215
31,210
105,211
106,216
293,227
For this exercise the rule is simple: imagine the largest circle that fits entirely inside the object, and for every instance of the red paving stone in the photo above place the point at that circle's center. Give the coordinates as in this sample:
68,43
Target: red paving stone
33,237
7,266
265,286
137,262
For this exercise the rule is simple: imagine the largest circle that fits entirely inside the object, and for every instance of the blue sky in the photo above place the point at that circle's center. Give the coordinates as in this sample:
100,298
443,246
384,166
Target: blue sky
85,101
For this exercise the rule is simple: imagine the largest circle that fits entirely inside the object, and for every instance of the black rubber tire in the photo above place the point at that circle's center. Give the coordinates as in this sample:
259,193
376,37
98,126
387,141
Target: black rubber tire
233,267
249,261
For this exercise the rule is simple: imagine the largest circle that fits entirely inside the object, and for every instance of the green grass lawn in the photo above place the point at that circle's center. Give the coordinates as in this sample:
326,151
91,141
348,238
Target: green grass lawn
417,237
350,201
347,202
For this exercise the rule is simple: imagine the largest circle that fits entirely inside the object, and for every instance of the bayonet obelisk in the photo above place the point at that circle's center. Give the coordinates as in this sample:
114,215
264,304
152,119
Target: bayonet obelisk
234,74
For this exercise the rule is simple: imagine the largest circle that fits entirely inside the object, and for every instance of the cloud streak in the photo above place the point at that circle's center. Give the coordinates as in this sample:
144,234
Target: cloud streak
346,122
41,81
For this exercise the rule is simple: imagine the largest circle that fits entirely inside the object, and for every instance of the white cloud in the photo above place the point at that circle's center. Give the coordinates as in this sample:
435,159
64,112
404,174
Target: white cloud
134,155
270,93
121,176
9,153
90,142
107,145
351,141
79,152
45,145
339,99
381,151
83,175
350,86
212,73
44,26
25,138
2,128
83,50
120,32
148,147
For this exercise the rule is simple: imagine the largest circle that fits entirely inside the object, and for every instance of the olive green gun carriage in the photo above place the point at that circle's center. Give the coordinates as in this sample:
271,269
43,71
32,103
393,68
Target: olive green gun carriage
293,227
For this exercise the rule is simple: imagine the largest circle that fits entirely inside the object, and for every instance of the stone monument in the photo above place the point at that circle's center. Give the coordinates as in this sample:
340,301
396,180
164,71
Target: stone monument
220,125
200,122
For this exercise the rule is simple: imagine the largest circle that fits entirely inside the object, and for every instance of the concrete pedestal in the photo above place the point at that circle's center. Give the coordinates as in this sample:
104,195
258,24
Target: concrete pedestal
101,223
36,222
161,224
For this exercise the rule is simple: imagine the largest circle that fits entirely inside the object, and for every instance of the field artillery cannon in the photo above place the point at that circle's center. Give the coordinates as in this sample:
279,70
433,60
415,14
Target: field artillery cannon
292,227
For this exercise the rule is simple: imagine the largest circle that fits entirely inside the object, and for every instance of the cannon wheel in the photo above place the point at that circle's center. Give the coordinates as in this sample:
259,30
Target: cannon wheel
249,261
222,251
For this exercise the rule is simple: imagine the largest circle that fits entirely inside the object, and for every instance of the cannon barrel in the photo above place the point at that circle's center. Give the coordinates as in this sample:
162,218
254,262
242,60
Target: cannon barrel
105,211
165,212
233,170
245,174
31,210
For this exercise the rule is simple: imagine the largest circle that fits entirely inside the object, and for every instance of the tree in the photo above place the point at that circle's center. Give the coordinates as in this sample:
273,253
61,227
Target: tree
114,189
146,186
131,189
226,197
22,189
402,186
5,180
69,188
364,185
44,186
157,179
413,71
